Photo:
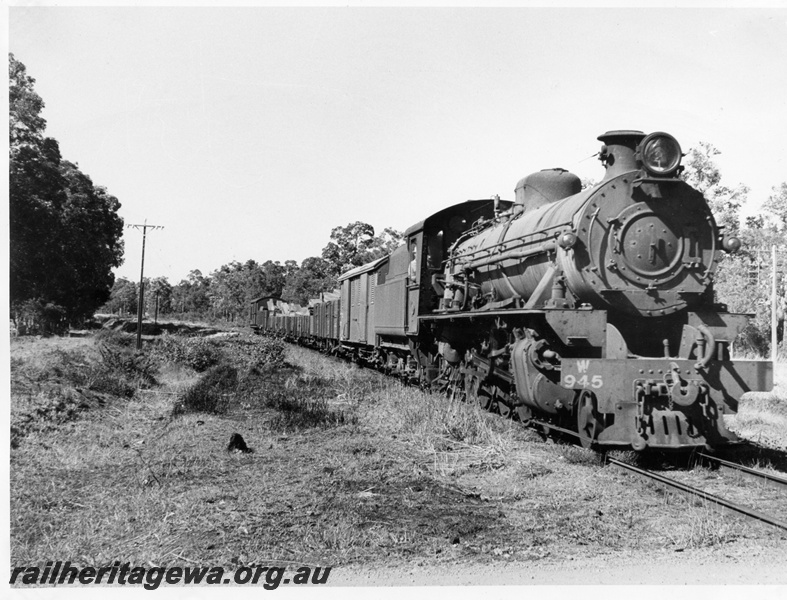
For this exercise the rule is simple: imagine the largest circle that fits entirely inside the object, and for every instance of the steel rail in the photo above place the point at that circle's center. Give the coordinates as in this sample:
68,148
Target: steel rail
753,472
739,508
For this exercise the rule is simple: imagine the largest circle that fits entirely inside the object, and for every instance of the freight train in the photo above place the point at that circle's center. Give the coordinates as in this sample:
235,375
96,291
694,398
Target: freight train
584,310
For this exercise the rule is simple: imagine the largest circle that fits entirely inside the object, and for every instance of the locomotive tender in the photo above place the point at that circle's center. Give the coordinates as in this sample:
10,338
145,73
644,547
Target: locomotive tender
590,310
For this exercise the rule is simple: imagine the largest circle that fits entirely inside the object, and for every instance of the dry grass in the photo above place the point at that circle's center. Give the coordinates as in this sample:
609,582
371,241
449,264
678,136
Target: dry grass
348,467
54,380
762,416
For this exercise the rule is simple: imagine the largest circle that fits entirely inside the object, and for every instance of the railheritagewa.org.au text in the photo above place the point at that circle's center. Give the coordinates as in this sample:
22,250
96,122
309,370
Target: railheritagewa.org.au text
150,578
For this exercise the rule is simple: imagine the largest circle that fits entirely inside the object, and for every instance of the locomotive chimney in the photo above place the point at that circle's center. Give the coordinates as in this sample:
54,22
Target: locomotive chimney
544,187
617,153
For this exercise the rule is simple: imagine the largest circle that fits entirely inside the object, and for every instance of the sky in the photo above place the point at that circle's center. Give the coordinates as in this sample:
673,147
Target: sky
251,132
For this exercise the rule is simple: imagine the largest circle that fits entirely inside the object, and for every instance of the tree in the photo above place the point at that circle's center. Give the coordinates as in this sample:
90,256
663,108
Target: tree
767,228
90,244
703,174
355,244
742,280
36,189
158,290
191,294
65,233
123,297
307,282
227,291
26,123
755,222
776,206
275,278
385,243
347,246
235,285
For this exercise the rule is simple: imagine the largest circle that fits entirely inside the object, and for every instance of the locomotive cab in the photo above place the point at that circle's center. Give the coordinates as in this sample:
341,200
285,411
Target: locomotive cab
434,239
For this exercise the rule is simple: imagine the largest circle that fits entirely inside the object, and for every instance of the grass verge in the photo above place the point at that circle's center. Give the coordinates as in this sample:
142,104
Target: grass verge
348,467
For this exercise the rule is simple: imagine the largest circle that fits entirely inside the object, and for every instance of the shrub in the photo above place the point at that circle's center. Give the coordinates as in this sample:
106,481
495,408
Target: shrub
197,353
270,351
256,352
121,371
211,394
201,354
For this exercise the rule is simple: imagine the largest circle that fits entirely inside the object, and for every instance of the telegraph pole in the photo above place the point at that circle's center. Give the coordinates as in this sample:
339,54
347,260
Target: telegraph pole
774,306
144,228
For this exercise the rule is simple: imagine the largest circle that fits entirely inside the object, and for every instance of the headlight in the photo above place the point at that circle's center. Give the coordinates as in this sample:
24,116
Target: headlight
660,154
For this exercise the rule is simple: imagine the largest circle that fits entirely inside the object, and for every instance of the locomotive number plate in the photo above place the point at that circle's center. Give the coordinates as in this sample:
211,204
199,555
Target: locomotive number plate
582,379
585,381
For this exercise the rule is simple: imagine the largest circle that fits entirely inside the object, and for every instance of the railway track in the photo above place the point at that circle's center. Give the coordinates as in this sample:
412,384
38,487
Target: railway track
722,465
754,474
690,490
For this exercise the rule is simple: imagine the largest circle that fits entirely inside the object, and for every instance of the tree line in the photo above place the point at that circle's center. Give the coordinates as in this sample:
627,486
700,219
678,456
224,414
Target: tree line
226,293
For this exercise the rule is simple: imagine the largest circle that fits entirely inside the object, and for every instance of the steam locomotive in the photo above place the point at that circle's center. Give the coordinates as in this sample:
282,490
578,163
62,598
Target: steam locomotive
585,310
